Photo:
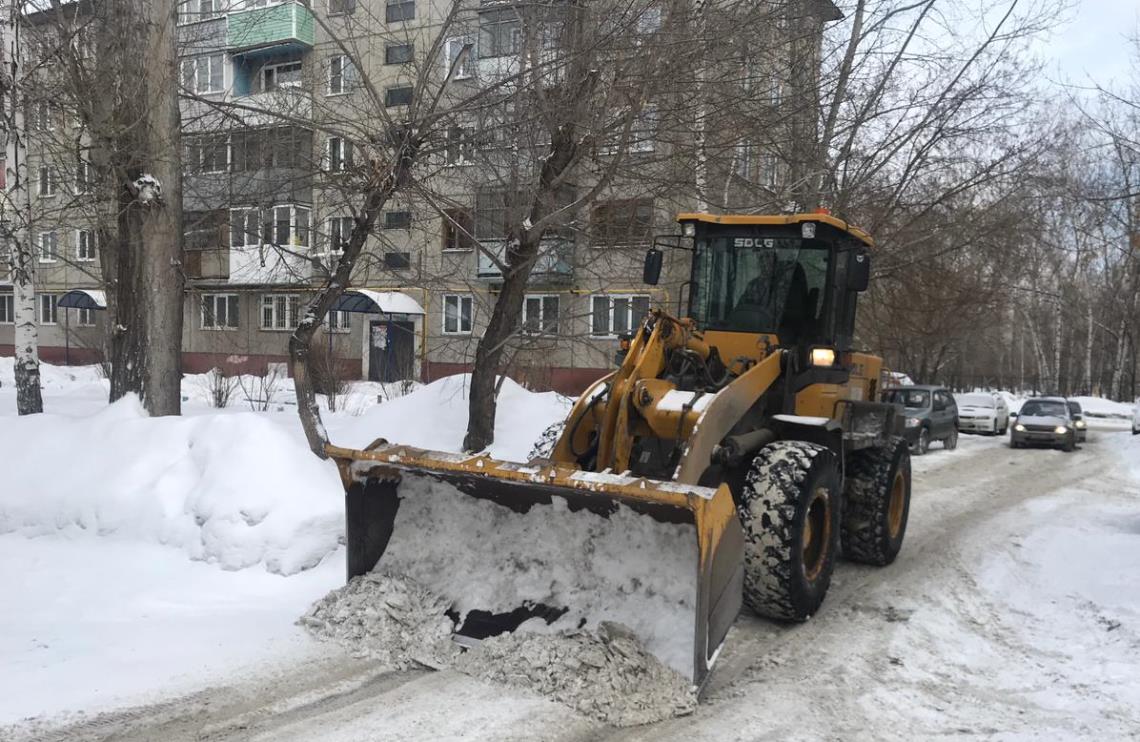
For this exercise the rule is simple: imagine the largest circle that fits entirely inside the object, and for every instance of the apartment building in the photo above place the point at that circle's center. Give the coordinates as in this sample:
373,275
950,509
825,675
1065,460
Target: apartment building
276,120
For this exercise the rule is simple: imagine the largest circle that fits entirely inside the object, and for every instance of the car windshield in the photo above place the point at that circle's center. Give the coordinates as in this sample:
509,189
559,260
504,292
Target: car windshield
760,284
913,399
1075,408
975,400
1039,408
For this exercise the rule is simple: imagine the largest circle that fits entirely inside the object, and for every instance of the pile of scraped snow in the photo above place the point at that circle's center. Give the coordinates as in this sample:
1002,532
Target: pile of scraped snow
435,417
54,378
606,674
627,568
236,490
1100,407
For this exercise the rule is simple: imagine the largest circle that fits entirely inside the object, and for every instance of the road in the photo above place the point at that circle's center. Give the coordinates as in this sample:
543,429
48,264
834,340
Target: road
943,642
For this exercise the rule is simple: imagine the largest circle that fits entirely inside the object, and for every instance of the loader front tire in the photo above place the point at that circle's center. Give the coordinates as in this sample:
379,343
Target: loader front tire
877,504
789,510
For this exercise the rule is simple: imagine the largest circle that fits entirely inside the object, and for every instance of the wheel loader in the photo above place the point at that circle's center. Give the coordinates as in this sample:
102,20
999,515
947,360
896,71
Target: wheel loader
750,432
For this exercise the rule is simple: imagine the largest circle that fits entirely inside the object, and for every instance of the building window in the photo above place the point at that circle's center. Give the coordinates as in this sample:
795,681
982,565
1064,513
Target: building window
200,10
460,145
458,230
204,74
540,315
274,147
7,308
285,225
501,34
86,317
398,53
342,75
452,49
49,309
47,181
220,311
84,178
399,10
208,154
340,231
339,152
49,247
85,245
457,311
338,321
624,222
281,76
397,220
339,7
43,116
279,311
616,314
205,230
397,260
398,96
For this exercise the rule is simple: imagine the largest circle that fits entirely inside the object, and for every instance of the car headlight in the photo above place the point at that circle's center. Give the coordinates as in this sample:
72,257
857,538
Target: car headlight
912,422
1060,430
1080,424
1019,428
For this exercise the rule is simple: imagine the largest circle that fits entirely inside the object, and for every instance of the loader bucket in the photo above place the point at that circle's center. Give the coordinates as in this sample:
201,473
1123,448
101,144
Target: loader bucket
560,547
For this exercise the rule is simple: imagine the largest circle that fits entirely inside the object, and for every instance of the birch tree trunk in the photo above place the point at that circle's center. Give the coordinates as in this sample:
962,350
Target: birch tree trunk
22,261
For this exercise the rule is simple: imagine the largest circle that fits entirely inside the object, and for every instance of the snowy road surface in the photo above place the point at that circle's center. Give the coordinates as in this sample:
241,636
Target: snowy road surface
1013,612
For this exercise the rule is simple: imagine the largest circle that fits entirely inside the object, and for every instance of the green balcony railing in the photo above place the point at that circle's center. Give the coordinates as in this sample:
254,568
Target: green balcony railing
288,23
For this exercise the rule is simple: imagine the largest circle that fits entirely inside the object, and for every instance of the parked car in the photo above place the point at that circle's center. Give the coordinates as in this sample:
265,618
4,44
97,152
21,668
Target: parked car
982,413
1044,421
1079,422
931,415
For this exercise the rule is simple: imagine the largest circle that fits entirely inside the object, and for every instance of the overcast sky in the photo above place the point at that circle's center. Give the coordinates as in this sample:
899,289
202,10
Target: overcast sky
1093,43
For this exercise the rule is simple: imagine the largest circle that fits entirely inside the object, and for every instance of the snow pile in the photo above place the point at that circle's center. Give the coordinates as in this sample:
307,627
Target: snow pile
236,490
1100,407
54,378
626,567
386,617
606,674
435,417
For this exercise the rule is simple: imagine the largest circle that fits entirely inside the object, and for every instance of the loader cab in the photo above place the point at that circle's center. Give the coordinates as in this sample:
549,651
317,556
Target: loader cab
794,278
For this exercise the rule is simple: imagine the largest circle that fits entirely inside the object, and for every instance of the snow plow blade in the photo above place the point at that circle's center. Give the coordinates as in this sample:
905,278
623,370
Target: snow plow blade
405,507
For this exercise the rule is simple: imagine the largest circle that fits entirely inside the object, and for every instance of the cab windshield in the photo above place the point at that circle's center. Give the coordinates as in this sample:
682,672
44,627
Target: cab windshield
760,284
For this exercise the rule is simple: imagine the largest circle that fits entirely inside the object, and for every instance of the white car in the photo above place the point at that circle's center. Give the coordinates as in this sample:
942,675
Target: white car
982,413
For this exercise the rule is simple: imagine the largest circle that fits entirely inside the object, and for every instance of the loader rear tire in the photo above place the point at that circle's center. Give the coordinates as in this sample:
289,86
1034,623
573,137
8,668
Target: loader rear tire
789,510
877,504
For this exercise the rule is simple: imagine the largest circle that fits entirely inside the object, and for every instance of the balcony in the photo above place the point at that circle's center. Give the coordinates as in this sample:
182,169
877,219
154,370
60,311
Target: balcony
555,262
269,265
207,264
288,24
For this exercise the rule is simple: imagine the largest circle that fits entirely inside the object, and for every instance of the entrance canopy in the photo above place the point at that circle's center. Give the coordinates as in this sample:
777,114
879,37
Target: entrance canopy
383,302
83,299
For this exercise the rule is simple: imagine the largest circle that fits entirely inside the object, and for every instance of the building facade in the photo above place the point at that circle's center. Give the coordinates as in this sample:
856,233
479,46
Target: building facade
281,100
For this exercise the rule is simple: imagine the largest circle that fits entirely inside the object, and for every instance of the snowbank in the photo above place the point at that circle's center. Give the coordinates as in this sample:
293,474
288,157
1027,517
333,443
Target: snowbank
54,378
1100,407
232,489
435,417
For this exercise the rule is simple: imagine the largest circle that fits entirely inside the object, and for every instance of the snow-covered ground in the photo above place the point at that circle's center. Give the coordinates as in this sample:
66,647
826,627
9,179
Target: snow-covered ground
161,564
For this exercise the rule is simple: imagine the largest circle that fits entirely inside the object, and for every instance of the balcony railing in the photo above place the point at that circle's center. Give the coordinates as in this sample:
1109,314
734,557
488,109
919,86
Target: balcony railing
289,23
269,264
555,261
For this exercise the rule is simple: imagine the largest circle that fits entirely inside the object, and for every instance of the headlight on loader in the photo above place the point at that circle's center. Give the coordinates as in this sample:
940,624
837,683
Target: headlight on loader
823,356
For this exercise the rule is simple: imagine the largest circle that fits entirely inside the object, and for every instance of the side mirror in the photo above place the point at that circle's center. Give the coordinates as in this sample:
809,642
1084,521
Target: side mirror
651,274
858,270
1012,415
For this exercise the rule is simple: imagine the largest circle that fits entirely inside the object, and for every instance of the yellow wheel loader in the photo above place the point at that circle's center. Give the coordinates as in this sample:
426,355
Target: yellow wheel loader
727,460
